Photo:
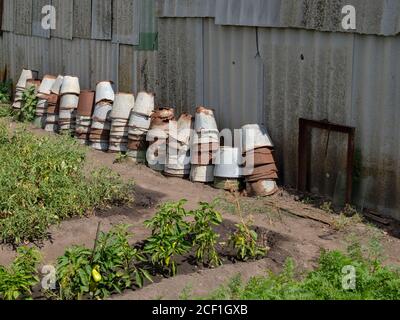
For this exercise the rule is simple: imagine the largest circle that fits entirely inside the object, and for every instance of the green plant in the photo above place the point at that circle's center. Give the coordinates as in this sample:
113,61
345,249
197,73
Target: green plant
170,236
43,181
28,108
327,207
5,110
110,267
373,281
17,281
244,239
5,89
204,237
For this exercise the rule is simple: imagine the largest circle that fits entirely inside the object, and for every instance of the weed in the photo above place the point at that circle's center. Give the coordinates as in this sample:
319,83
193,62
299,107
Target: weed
327,207
17,281
244,240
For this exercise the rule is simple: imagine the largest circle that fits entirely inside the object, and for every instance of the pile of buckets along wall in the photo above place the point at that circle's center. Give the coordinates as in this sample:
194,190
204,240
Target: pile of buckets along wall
187,147
252,68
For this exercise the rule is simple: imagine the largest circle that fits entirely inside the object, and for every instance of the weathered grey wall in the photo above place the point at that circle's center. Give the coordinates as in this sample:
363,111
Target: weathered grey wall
270,76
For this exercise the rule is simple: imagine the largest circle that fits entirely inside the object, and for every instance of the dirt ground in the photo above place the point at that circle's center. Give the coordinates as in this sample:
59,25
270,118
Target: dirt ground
298,230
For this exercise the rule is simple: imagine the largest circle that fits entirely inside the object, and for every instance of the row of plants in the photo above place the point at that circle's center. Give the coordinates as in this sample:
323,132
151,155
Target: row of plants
43,181
353,275
114,265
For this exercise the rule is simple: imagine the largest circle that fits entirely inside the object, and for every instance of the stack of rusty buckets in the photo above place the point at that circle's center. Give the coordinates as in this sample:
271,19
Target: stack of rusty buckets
204,146
69,100
121,111
158,138
227,171
178,153
84,116
139,125
53,105
21,86
101,121
259,167
43,97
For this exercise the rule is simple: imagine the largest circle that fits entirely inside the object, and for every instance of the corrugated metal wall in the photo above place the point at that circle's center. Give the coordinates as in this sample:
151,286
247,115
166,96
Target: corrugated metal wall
86,41
270,76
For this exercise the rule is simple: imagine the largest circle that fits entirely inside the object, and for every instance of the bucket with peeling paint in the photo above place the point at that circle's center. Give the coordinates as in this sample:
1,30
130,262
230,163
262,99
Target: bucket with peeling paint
25,76
122,107
204,174
205,120
47,83
144,104
227,163
255,136
262,188
56,87
104,91
70,85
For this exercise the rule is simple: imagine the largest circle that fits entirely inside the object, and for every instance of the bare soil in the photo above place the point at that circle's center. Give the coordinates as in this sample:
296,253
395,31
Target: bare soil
290,227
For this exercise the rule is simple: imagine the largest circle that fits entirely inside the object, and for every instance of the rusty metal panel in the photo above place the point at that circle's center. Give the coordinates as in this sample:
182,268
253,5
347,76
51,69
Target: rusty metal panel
8,15
82,19
23,17
64,19
102,19
380,17
184,8
180,63
126,22
37,17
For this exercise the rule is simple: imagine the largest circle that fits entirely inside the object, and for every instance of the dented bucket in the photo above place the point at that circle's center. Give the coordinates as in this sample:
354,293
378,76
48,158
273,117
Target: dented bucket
123,104
104,91
144,104
56,87
255,136
70,85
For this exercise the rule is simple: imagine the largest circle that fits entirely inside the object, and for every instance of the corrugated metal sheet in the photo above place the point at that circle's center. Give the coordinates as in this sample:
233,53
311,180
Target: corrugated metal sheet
101,19
76,59
26,52
233,75
376,112
373,16
8,15
23,17
347,79
37,17
104,61
148,25
381,17
64,19
82,19
180,63
184,8
126,23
